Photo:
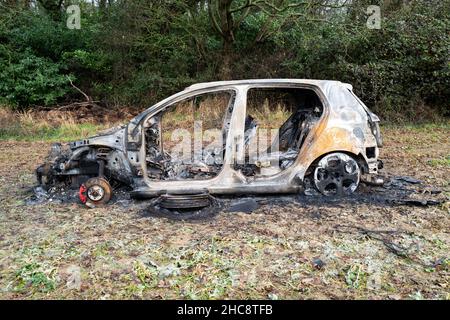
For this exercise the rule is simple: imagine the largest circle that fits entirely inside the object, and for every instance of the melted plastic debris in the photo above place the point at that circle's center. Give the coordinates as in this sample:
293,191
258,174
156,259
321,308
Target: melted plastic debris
247,205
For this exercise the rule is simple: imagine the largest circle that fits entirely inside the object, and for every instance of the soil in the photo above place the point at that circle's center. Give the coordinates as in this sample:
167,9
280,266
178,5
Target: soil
388,242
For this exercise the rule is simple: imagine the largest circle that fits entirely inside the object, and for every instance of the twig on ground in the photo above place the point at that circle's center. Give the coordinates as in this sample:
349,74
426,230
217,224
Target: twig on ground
379,235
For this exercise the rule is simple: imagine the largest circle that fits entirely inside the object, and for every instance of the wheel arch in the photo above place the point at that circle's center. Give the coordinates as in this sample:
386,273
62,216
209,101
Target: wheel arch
358,157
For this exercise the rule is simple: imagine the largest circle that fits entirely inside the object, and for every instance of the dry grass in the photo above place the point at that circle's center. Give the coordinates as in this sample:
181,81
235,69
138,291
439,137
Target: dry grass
50,125
269,116
56,125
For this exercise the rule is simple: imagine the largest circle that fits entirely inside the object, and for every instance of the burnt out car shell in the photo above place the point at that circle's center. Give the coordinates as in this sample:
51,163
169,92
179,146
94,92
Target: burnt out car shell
346,125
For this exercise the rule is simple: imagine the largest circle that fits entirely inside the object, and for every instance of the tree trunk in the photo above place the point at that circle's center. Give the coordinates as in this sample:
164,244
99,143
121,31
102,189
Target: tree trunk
227,26
53,8
227,60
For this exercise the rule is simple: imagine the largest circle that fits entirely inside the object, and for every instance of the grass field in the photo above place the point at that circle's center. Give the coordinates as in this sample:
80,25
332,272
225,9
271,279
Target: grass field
65,251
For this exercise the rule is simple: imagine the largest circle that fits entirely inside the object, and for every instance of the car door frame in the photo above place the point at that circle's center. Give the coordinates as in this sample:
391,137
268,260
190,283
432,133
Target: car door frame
284,181
227,172
229,180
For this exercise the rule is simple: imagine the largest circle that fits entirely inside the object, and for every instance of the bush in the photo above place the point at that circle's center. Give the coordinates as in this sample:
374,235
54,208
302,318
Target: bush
394,70
135,53
30,80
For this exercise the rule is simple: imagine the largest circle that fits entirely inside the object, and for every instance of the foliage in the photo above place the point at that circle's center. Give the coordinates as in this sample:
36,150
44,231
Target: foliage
30,275
136,52
31,80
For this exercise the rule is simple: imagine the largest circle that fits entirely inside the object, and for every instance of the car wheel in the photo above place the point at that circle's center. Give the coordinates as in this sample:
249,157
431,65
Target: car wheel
95,192
337,174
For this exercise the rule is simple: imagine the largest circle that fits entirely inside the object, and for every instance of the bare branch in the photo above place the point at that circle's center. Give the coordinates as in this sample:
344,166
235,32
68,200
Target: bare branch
88,99
213,18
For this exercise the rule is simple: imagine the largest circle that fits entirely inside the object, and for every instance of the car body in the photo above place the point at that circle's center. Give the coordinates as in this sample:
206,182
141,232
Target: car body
346,130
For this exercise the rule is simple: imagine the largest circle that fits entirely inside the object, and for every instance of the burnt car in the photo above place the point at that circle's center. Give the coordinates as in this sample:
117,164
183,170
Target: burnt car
229,137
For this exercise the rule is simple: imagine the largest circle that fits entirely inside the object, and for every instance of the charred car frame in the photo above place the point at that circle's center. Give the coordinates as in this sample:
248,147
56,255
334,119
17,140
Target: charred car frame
329,142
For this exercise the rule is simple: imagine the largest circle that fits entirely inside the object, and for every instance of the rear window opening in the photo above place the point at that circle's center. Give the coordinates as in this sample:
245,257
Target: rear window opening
278,120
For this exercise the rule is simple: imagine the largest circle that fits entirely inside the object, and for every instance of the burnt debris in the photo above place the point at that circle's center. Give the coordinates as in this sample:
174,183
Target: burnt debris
200,206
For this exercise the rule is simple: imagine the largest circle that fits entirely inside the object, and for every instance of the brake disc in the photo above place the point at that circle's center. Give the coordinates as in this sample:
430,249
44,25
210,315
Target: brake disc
95,192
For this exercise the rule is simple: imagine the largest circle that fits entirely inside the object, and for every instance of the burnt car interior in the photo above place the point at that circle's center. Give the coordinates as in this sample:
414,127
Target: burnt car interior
277,122
170,137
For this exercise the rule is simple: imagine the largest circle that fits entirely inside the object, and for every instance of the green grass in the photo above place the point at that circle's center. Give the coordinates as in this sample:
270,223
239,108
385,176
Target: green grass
45,126
355,276
68,132
440,162
65,132
417,127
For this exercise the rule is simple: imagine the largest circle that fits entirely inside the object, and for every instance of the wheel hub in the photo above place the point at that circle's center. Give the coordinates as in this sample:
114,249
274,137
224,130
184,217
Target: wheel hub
95,193
337,174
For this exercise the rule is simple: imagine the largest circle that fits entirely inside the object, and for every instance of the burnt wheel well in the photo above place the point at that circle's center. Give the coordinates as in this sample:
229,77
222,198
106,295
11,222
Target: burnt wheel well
359,159
88,161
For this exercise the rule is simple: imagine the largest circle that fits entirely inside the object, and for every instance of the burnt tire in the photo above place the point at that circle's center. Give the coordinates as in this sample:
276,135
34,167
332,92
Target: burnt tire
95,192
337,174
155,209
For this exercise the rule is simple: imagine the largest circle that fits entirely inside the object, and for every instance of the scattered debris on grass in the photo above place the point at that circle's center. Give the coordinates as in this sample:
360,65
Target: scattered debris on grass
247,205
396,191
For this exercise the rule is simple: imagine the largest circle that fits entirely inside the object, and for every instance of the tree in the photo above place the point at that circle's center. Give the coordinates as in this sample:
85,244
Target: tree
227,16
52,7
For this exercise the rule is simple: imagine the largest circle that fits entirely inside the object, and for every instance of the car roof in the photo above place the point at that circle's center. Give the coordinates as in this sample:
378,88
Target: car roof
319,83
326,86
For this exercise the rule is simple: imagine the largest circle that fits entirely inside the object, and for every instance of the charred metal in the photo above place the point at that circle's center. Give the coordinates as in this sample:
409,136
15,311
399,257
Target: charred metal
329,142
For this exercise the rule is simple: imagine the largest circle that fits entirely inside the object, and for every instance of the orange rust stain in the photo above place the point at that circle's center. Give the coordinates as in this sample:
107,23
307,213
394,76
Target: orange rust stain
327,140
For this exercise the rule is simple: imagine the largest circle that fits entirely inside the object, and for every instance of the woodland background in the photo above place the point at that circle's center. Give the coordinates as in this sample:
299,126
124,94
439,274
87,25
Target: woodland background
130,54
